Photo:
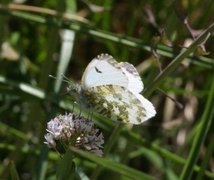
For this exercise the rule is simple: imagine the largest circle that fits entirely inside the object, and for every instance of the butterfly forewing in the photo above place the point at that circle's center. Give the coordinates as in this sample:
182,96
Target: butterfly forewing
103,70
135,83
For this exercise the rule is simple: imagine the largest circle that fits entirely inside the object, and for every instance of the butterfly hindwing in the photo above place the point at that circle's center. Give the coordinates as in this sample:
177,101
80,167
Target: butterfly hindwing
119,104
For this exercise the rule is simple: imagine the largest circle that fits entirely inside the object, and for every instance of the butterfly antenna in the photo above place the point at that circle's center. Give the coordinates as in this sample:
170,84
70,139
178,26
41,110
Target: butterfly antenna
65,79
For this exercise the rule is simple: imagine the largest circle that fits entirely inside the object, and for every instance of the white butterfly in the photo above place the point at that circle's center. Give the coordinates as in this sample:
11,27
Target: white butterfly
113,89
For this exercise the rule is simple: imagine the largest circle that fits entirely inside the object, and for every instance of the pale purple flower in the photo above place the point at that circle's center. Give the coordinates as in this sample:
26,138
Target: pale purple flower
66,127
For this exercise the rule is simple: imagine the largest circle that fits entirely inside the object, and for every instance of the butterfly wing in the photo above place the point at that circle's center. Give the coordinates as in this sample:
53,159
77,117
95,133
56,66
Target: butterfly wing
135,83
120,104
113,88
103,70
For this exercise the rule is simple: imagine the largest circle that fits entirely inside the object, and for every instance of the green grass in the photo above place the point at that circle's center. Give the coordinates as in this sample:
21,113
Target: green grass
54,39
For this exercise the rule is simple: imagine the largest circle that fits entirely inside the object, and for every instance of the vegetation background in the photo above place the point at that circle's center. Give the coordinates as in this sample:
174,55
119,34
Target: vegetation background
39,38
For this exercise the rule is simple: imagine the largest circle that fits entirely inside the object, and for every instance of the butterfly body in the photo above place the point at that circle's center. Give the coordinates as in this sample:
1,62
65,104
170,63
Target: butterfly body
113,90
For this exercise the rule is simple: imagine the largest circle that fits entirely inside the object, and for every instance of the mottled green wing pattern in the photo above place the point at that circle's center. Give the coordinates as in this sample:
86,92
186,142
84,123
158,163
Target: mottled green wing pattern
116,103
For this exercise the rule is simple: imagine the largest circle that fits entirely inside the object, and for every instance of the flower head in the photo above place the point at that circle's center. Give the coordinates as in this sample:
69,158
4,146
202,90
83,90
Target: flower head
75,131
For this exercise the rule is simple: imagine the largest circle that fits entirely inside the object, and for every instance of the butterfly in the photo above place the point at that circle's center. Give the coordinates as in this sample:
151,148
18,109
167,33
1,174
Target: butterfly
113,90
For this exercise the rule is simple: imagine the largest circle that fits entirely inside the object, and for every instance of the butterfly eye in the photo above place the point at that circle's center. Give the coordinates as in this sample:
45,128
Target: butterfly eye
73,89
69,89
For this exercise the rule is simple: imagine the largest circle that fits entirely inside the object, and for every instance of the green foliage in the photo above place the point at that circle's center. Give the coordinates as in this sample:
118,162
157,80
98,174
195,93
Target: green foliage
61,37
66,167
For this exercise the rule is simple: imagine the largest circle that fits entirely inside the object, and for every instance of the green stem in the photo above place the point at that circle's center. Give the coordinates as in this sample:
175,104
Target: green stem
136,139
90,30
206,121
208,156
113,138
178,59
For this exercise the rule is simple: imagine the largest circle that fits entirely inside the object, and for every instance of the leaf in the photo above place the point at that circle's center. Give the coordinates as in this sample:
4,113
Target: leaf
13,171
66,167
114,166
